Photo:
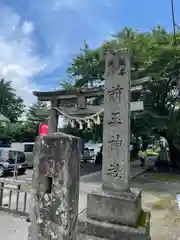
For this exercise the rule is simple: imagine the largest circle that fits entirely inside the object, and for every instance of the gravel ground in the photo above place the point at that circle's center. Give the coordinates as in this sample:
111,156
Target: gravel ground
159,197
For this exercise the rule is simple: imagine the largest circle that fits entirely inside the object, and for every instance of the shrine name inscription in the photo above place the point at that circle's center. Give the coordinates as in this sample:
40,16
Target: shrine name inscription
115,94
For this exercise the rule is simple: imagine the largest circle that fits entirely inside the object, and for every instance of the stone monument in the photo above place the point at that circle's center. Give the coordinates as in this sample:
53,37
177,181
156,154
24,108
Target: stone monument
114,211
55,192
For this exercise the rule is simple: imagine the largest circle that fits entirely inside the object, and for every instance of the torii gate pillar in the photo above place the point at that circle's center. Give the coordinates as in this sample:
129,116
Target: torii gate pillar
53,117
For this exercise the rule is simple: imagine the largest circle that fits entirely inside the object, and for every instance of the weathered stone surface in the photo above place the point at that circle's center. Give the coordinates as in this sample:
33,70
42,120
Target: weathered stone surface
53,117
96,230
116,130
88,237
55,195
120,208
113,211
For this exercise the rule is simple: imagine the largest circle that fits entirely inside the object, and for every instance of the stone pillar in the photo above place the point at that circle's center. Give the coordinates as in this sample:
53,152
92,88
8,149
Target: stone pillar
54,208
114,211
53,117
116,133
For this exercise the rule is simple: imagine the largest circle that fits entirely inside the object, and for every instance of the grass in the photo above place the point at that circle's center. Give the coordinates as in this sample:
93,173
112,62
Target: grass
142,220
163,203
151,153
165,177
27,187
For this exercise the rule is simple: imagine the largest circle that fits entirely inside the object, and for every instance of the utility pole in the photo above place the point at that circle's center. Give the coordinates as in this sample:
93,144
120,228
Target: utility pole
173,21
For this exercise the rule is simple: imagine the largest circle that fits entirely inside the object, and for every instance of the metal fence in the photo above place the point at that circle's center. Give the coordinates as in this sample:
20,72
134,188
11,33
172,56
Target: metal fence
15,196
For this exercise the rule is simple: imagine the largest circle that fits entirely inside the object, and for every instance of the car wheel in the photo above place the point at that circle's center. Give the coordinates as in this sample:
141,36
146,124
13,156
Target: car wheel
1,171
22,171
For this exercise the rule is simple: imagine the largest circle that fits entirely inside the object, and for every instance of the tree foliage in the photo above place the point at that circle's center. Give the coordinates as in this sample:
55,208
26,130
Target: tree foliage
152,54
87,69
38,113
28,129
67,84
11,105
22,132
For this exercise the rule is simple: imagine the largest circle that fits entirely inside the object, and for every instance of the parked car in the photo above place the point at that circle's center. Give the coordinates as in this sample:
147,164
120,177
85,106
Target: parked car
8,158
92,154
94,148
27,148
86,154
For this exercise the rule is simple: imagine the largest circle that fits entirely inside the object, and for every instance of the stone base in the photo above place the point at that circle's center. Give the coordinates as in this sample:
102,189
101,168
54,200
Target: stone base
121,208
89,229
88,237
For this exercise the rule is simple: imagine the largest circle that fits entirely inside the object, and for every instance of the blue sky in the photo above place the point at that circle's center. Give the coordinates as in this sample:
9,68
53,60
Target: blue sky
38,38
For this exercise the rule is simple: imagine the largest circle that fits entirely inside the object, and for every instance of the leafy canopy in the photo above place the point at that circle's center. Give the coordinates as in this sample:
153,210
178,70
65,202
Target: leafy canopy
11,105
153,54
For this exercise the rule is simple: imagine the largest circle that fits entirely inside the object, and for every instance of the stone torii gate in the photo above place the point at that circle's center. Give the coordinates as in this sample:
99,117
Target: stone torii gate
74,103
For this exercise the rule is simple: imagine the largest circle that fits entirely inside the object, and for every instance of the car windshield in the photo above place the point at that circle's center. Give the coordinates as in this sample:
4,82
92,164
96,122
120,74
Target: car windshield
13,154
21,155
28,148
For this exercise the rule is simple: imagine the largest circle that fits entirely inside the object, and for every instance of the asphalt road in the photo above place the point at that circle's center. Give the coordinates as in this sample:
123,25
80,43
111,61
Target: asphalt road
85,169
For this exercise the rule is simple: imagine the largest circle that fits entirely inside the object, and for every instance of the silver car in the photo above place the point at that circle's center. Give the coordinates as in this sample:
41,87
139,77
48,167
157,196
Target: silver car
86,154
8,160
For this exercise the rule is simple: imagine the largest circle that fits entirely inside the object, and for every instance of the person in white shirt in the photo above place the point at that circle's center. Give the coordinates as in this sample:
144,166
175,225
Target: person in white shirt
142,156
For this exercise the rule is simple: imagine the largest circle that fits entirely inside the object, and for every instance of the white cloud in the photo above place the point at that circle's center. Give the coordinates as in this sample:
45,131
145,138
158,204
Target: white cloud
73,4
79,4
27,27
60,35
65,25
18,62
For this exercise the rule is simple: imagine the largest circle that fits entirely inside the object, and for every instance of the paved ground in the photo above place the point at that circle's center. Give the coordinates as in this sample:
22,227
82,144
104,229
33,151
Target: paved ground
13,228
158,194
85,168
87,184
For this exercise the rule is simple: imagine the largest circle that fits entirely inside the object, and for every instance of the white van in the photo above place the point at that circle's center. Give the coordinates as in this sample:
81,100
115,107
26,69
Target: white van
27,148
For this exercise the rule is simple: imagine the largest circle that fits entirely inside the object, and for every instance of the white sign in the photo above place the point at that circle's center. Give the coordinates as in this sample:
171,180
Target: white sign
178,200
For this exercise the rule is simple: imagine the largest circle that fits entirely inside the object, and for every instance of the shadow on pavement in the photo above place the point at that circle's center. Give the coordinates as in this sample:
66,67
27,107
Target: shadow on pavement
158,182
87,168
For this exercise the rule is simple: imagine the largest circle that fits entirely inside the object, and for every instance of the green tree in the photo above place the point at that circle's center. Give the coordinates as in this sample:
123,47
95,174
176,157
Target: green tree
67,84
11,105
37,113
22,131
87,68
153,54
28,129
